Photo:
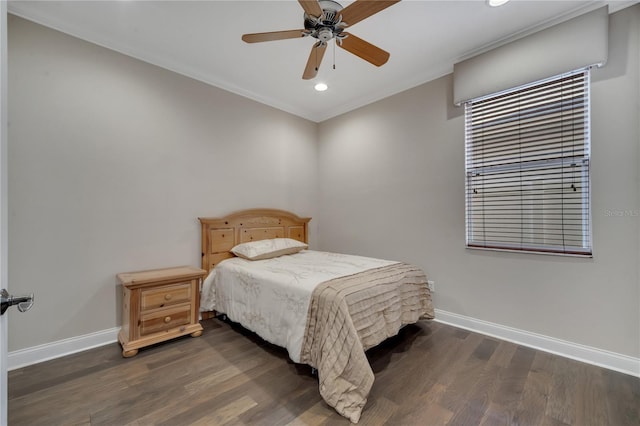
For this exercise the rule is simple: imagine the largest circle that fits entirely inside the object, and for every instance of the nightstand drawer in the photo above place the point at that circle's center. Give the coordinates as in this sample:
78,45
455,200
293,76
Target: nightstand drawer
165,319
165,296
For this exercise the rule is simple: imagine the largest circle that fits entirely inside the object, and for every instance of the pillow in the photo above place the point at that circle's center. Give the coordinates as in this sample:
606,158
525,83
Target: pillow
266,249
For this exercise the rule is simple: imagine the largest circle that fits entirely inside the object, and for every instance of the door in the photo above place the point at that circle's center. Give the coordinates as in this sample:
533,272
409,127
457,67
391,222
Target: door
3,207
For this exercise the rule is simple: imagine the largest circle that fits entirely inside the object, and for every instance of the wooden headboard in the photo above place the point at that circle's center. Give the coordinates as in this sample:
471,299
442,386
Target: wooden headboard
220,235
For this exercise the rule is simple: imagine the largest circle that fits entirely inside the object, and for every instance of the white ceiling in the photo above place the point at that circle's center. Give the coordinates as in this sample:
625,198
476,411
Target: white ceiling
201,39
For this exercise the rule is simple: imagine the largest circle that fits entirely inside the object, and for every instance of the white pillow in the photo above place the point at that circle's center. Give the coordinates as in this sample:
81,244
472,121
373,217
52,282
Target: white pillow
266,249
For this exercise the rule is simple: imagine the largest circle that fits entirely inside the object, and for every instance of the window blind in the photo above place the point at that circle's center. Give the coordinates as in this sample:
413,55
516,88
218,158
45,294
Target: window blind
527,167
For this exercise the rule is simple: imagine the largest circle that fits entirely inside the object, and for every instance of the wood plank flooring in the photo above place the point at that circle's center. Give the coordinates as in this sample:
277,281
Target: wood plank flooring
430,374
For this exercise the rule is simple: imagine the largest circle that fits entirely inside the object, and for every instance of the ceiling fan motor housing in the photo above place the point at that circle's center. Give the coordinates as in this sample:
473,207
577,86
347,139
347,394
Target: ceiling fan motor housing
327,26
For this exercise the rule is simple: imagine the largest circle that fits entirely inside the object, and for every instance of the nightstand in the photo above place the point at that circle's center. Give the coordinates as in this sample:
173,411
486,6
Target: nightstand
159,305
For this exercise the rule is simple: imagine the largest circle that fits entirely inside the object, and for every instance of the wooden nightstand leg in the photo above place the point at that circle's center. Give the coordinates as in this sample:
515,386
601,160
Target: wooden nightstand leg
129,354
196,333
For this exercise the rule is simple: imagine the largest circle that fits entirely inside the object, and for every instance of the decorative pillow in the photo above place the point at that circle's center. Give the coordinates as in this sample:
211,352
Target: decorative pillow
266,249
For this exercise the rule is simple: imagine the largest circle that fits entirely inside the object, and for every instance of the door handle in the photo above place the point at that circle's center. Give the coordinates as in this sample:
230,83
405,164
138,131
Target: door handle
24,302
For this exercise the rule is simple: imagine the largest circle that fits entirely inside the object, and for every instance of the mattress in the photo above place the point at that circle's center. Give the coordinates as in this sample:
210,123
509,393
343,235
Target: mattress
271,297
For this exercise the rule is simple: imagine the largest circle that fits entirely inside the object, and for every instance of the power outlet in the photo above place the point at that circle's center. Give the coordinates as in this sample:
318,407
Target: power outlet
432,285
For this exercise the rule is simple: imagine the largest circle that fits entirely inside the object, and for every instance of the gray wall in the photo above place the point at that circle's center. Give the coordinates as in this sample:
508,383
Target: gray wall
392,186
111,161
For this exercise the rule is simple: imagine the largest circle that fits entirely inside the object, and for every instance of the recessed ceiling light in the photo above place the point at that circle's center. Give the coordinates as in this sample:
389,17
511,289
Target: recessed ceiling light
321,87
496,3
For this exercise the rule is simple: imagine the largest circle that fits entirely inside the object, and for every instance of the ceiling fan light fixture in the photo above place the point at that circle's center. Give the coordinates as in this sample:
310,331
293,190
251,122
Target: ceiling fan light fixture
496,3
320,87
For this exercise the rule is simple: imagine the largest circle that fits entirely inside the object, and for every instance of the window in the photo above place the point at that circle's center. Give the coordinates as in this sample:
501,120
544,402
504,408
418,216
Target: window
527,168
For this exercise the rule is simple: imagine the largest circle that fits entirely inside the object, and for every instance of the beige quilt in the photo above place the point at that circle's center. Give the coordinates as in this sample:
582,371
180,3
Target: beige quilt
349,315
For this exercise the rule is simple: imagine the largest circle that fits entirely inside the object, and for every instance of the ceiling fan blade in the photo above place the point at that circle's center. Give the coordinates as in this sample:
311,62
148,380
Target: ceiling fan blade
271,36
362,9
364,50
311,7
313,63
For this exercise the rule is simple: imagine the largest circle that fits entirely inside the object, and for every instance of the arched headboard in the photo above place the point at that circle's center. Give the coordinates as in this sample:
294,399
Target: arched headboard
220,235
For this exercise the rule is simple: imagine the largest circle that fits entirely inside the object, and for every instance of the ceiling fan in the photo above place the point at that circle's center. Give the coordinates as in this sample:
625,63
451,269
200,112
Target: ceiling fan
326,20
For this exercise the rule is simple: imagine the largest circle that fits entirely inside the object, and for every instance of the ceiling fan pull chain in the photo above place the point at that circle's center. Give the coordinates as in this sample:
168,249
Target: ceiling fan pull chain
334,55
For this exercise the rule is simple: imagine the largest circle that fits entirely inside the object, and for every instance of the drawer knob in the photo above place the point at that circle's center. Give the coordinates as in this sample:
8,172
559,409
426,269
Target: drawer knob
167,320
167,296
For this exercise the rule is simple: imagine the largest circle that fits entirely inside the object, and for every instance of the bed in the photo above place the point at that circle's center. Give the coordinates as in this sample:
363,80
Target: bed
325,308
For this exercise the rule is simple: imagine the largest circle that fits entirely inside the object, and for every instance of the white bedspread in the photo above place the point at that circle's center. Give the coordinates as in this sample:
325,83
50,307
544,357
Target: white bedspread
271,297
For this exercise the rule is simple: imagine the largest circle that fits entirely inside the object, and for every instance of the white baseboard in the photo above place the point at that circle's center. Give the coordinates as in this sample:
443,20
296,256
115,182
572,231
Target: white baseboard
23,357
610,360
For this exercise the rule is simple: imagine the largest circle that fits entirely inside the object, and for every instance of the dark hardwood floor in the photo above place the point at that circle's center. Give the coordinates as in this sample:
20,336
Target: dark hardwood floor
430,374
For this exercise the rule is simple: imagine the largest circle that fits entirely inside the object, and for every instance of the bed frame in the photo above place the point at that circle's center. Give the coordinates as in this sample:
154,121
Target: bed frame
220,235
